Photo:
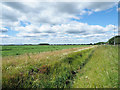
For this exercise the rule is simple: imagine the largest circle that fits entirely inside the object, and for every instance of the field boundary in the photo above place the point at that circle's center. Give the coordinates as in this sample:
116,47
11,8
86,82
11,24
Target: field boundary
80,49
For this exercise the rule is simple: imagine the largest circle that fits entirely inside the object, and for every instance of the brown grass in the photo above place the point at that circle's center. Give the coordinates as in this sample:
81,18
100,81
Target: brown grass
44,56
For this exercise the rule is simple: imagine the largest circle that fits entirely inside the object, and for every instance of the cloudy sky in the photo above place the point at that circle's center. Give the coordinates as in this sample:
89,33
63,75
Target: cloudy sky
58,22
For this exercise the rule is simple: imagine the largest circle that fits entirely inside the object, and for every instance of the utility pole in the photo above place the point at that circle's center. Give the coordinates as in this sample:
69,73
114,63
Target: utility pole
114,35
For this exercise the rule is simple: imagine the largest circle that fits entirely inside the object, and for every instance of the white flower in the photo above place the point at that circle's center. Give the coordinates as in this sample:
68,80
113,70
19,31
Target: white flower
86,77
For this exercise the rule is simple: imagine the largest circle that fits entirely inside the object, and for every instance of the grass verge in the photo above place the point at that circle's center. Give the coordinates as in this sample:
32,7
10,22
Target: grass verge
53,72
101,71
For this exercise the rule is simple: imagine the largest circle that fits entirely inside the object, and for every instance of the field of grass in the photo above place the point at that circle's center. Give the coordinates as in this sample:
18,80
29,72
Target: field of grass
93,67
18,50
101,71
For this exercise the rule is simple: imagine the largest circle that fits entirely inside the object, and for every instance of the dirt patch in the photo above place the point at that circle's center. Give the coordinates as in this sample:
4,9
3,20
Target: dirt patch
44,69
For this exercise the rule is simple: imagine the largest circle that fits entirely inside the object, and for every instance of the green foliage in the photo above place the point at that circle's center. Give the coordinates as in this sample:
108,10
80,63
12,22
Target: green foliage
100,43
117,40
59,74
18,50
110,41
90,68
101,71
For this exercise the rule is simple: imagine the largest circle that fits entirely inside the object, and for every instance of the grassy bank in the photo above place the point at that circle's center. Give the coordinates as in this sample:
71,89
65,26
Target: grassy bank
101,71
19,50
91,68
50,70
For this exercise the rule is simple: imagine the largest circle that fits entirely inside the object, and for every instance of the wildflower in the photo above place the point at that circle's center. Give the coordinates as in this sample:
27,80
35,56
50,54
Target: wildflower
86,77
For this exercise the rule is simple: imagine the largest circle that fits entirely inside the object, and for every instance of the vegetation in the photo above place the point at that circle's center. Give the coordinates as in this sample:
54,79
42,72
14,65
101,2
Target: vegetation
43,44
117,40
100,43
101,71
53,70
110,41
18,50
68,68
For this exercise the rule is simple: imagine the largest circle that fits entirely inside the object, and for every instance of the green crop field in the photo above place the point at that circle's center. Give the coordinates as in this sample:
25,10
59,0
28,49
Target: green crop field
61,67
18,50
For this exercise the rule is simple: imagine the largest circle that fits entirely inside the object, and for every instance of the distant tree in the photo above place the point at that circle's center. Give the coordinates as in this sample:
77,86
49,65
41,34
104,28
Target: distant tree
117,40
100,43
43,44
90,44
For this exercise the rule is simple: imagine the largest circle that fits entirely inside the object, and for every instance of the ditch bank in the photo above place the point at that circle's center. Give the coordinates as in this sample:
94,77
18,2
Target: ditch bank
66,70
60,74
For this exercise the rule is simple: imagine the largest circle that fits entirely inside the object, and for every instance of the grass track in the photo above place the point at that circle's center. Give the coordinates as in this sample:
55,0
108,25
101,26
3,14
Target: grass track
101,71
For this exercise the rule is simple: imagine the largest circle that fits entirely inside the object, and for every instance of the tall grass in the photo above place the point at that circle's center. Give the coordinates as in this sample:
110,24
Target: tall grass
0,68
101,71
91,68
45,70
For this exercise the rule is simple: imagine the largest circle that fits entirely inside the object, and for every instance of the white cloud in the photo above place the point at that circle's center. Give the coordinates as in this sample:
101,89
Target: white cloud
100,6
111,28
4,36
65,30
53,20
52,13
3,30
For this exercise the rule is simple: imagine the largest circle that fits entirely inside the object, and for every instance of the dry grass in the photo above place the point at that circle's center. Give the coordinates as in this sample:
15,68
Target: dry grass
44,56
15,66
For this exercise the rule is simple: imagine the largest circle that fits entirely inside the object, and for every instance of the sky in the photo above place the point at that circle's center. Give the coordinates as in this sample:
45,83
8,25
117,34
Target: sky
58,22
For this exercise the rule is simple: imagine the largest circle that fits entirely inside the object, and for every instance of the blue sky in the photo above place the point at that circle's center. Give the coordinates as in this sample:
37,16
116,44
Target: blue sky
103,18
33,23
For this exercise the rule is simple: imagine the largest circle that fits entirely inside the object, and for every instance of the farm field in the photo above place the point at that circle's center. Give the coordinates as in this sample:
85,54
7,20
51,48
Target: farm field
18,50
66,67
